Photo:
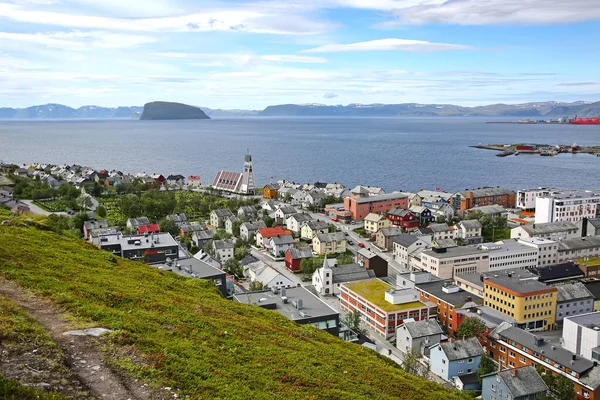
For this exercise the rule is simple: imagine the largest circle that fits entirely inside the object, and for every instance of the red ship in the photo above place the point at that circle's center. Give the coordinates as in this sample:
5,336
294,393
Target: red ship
585,121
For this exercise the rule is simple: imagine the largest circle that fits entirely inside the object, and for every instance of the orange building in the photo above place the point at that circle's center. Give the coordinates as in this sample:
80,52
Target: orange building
485,196
270,191
512,347
361,207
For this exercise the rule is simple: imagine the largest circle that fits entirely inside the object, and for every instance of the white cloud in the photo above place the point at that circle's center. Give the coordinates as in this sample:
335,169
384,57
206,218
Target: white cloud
330,95
77,40
244,59
498,12
388,44
229,20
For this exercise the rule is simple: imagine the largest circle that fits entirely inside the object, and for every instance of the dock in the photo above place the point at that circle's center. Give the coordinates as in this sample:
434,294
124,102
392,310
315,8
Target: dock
538,149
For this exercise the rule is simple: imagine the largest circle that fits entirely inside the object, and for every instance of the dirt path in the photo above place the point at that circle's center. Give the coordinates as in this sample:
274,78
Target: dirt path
83,356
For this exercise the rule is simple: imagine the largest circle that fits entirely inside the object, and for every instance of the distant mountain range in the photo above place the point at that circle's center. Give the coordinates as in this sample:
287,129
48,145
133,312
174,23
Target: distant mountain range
549,109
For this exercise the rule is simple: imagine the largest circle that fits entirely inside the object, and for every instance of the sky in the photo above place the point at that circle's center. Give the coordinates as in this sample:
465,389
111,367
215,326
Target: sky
250,54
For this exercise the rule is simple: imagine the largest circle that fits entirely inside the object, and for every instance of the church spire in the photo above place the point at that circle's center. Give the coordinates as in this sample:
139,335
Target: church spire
325,263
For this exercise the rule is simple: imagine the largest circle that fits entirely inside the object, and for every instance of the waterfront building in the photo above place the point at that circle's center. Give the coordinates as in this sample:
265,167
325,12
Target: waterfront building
360,207
567,205
237,182
467,199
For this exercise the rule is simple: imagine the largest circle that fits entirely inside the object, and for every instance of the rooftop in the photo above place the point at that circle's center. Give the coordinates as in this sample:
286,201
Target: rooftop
470,224
381,197
457,298
549,227
461,349
270,232
439,227
366,253
373,290
594,288
455,252
505,245
589,261
591,320
419,329
300,252
571,292
312,306
588,242
487,210
530,341
558,272
406,240
223,244
487,191
521,382
191,267
331,237
128,242
519,281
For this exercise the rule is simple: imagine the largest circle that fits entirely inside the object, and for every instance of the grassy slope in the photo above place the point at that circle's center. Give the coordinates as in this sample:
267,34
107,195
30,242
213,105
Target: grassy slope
187,337
20,333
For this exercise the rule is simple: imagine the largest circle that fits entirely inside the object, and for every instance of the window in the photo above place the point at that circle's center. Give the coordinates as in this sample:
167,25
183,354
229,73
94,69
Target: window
461,371
470,361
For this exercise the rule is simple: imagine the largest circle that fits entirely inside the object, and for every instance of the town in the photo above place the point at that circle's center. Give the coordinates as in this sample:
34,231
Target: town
488,289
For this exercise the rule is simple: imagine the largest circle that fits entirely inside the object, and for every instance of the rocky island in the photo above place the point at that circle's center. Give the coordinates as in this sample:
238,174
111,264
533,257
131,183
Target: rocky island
162,110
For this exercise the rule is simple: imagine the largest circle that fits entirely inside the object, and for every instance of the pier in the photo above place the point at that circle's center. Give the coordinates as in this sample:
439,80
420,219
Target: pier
538,149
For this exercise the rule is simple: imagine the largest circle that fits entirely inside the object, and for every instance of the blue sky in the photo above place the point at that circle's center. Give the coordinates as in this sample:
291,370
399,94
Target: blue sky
241,54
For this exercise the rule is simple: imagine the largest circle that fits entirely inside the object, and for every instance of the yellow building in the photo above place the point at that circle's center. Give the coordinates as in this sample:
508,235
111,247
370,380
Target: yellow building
270,191
374,222
311,228
329,243
530,303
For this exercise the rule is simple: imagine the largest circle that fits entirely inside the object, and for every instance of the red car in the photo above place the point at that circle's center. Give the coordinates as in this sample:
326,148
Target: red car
361,244
334,219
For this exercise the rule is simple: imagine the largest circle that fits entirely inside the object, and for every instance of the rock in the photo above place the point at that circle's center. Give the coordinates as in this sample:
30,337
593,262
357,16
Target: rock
161,110
88,332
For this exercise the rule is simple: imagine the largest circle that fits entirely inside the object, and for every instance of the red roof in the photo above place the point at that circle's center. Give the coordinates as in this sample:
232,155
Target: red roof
151,228
194,178
270,232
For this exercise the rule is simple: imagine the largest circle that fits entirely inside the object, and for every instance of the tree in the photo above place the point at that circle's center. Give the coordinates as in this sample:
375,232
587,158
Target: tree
486,366
101,210
440,219
547,377
84,202
236,228
233,267
269,221
564,390
166,225
352,320
256,285
241,252
474,215
344,259
470,327
308,266
412,364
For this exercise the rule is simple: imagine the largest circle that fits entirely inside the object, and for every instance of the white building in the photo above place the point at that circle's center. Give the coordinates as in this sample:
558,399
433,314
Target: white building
279,244
418,336
567,205
549,230
327,279
571,249
295,221
223,249
445,263
469,230
581,334
547,249
405,246
526,197
442,231
510,254
259,272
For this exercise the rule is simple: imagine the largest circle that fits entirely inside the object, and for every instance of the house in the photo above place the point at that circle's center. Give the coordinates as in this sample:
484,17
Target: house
178,180
248,229
522,383
268,277
422,214
224,249
189,229
469,231
246,212
295,221
374,222
485,196
193,268
406,246
311,228
270,191
558,230
581,335
490,211
134,223
201,238
148,229
588,227
294,257
372,262
573,299
327,279
365,191
329,243
584,248
286,193
218,217
403,218
439,209
194,181
230,224
179,219
441,231
264,234
314,198
360,207
418,336
89,226
270,206
297,304
384,238
456,358
282,213
158,178
150,249
279,244
298,198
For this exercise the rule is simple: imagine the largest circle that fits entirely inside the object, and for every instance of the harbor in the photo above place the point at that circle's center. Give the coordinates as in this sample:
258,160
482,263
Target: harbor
545,150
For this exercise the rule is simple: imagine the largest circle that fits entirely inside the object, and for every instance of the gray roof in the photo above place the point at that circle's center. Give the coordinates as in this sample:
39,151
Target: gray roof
470,224
391,231
519,282
247,209
253,226
282,239
89,225
572,292
204,234
461,349
445,243
350,273
439,227
455,252
192,267
366,253
399,212
549,227
457,299
135,222
487,210
223,244
223,212
331,237
522,381
301,217
249,259
487,191
588,242
177,217
426,327
317,225
381,197
551,351
164,240
301,252
288,210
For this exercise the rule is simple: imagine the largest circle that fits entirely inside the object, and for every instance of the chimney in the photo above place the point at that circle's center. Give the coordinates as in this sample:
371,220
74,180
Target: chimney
574,357
299,304
515,372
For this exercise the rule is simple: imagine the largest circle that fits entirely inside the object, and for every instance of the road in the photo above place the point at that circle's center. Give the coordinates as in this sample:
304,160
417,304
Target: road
38,210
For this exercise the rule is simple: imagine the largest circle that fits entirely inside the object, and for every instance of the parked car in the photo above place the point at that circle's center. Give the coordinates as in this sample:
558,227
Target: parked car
350,242
334,219
361,244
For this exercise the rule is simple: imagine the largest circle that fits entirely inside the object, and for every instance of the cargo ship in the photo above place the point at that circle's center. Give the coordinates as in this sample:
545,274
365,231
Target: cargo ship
585,121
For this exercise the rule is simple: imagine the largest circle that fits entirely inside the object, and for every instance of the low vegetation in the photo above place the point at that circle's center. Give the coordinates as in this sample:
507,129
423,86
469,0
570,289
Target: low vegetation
181,333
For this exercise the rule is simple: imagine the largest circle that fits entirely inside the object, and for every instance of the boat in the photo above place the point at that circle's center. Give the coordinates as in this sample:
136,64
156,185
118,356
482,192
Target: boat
505,153
517,153
585,121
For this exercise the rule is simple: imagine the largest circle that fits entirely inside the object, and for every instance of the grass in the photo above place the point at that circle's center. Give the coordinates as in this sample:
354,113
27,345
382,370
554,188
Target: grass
373,290
179,332
11,390
591,261
498,234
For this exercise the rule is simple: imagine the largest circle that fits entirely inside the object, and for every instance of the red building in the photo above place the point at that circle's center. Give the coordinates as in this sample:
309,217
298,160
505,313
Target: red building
362,206
294,257
150,228
403,218
486,196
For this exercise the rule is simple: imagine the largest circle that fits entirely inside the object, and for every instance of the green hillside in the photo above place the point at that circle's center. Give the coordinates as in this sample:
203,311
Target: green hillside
180,333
